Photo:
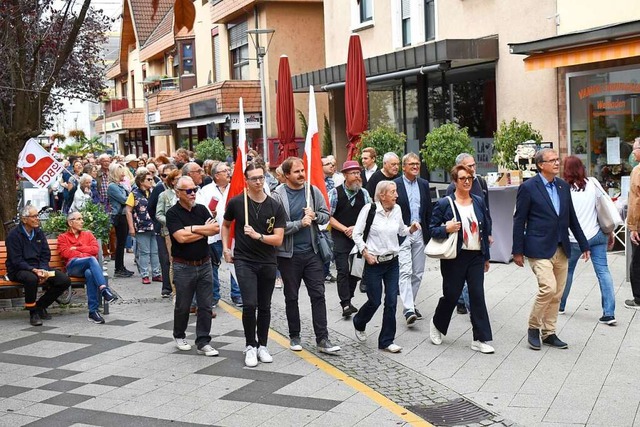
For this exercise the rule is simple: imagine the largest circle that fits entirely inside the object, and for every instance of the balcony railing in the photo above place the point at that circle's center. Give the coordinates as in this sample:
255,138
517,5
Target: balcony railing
113,105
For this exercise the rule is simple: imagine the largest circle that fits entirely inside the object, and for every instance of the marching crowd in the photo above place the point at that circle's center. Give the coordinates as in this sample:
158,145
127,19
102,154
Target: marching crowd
377,227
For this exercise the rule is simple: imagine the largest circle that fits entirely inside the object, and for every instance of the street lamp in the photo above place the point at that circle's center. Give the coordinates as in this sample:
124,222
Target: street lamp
145,88
262,52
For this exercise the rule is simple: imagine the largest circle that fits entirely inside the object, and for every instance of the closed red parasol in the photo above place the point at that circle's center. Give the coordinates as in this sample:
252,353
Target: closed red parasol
355,96
285,113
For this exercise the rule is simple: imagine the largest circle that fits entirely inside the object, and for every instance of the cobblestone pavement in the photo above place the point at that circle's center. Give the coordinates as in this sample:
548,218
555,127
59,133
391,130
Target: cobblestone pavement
585,385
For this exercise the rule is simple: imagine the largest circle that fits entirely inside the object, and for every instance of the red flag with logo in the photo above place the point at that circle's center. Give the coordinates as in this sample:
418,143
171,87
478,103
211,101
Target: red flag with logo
37,165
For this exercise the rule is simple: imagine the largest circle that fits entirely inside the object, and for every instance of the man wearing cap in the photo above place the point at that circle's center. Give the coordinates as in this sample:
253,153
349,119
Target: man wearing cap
132,164
346,201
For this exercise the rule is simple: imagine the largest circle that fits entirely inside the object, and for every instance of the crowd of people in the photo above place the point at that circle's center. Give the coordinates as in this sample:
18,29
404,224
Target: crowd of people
176,211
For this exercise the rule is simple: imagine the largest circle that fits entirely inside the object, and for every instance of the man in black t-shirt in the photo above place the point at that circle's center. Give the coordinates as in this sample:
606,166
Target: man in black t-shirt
189,226
389,171
254,258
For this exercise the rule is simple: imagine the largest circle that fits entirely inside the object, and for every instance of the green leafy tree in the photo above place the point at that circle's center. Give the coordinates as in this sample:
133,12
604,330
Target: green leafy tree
303,123
83,146
443,144
507,138
211,149
384,139
327,142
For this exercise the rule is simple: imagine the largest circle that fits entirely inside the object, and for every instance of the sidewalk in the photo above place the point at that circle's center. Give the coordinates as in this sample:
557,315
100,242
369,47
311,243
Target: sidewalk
129,370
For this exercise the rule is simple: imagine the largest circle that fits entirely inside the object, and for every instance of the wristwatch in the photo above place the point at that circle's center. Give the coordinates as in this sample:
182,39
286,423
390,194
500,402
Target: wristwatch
261,238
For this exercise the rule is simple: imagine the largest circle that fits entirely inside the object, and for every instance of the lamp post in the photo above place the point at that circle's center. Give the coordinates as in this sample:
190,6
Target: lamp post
262,52
145,89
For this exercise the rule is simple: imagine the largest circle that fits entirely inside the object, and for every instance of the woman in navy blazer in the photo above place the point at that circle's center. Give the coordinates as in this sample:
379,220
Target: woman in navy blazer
471,262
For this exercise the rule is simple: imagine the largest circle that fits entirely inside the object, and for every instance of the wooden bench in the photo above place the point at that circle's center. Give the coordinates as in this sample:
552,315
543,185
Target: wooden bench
56,262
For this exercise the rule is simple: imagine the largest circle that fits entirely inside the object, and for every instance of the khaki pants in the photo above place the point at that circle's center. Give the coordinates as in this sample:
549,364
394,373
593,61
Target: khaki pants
552,276
167,239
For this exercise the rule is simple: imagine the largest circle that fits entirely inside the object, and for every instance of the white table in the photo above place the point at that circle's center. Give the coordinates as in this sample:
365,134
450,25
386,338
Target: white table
502,204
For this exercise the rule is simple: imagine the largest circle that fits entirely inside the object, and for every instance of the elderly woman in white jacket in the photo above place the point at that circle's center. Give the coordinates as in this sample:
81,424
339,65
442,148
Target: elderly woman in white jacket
82,194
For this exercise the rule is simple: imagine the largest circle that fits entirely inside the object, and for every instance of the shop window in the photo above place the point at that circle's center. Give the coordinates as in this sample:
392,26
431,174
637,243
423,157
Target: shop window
430,19
604,120
239,49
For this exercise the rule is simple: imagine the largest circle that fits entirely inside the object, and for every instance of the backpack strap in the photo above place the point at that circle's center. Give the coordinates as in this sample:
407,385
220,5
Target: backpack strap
367,225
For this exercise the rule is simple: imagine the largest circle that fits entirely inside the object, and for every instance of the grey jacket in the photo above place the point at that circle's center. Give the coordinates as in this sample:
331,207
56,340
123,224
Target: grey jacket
292,227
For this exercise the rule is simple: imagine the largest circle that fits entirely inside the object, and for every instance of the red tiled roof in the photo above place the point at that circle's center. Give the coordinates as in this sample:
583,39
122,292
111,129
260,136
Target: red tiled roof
141,11
164,27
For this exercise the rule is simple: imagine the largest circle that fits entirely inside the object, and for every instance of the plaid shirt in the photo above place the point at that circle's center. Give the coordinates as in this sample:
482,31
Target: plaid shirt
351,196
102,190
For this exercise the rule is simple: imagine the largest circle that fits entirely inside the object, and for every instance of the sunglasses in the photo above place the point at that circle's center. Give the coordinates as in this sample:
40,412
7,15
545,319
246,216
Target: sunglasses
188,191
164,175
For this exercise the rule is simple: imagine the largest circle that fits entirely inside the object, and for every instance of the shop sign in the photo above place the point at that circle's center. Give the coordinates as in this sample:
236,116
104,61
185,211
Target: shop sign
251,121
608,88
114,125
161,130
153,117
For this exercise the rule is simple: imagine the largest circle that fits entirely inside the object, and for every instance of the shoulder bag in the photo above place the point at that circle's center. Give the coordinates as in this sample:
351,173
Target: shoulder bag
608,216
356,260
323,241
444,248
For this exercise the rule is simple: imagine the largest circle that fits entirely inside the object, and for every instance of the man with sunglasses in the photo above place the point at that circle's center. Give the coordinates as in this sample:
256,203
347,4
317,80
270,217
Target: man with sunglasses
254,257
28,257
544,214
189,226
298,257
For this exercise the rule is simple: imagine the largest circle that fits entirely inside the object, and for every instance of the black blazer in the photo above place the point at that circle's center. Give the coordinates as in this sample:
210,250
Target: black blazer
425,205
537,229
442,213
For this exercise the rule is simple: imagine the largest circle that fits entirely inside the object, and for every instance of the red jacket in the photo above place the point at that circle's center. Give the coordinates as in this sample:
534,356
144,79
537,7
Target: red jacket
85,245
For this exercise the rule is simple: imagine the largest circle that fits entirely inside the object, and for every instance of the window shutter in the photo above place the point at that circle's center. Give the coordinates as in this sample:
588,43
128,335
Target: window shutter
406,9
216,58
238,35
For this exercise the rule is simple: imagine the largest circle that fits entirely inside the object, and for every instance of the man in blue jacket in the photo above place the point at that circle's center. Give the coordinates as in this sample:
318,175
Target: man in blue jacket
544,214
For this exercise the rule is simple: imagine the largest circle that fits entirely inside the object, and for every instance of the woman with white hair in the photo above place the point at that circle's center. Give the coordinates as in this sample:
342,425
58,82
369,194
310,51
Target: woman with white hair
379,246
82,194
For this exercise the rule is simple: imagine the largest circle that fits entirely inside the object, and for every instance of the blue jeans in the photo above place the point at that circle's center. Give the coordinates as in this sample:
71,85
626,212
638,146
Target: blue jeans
464,297
92,272
598,247
373,276
235,289
147,249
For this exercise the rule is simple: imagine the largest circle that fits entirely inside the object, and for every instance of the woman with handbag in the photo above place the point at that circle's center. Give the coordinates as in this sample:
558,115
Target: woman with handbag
380,252
584,195
463,214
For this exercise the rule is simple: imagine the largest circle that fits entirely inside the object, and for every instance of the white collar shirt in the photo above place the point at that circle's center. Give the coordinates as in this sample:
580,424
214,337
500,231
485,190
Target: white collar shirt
385,229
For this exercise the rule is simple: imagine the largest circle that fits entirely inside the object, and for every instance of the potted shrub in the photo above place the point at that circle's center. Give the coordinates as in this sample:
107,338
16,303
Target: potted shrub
212,149
506,140
384,139
95,218
442,146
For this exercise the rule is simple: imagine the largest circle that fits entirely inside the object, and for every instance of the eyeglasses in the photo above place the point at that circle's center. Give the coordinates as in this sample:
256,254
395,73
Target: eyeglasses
256,178
188,191
465,178
556,160
197,171
223,171
270,223
472,165
412,164
328,164
353,173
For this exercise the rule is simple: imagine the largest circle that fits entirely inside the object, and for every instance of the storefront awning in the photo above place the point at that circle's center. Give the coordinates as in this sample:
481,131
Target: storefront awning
203,121
595,45
444,53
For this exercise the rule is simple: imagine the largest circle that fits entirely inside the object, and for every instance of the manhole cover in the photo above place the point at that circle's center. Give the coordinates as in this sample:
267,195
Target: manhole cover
456,412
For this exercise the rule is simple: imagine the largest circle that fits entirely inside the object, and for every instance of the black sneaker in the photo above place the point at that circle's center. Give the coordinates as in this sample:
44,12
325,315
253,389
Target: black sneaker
608,320
34,318
108,296
410,317
363,287
44,314
553,341
631,303
461,309
95,317
533,336
330,278
123,273
418,314
165,294
348,310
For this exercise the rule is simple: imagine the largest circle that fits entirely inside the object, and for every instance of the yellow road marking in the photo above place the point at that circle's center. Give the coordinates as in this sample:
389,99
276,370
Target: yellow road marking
360,387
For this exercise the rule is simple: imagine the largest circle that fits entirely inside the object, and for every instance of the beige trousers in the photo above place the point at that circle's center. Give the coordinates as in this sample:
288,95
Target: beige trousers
552,277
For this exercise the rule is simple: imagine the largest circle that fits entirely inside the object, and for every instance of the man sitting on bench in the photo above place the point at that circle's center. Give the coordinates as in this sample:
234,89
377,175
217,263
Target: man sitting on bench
28,257
79,248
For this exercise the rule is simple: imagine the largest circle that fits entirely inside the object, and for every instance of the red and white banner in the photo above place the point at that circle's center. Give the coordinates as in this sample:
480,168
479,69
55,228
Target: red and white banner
37,165
312,155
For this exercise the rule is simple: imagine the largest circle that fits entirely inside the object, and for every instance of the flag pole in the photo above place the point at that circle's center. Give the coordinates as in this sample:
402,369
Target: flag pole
246,208
242,139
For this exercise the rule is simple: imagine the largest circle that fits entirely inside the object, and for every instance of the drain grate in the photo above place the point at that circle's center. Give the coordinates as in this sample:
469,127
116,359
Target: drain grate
456,412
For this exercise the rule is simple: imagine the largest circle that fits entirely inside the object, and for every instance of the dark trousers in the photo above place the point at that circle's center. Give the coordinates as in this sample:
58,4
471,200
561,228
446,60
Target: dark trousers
122,230
165,263
346,282
55,287
467,266
256,282
634,273
190,280
372,277
305,266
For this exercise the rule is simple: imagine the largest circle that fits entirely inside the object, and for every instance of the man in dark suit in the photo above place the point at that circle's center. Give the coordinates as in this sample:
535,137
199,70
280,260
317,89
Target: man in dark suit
414,200
544,213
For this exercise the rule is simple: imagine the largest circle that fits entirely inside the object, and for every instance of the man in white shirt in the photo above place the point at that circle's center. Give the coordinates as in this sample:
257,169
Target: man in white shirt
369,166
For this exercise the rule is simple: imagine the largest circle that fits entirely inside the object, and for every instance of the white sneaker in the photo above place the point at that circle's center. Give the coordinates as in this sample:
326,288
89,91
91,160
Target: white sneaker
251,357
393,348
182,344
263,355
482,347
434,334
278,283
360,335
207,350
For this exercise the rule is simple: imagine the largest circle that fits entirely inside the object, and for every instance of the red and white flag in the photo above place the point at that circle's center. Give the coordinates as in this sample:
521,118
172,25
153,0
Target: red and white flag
37,165
312,154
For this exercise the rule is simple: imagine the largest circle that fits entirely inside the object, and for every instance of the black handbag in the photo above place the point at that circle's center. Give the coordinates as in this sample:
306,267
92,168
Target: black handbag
325,245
